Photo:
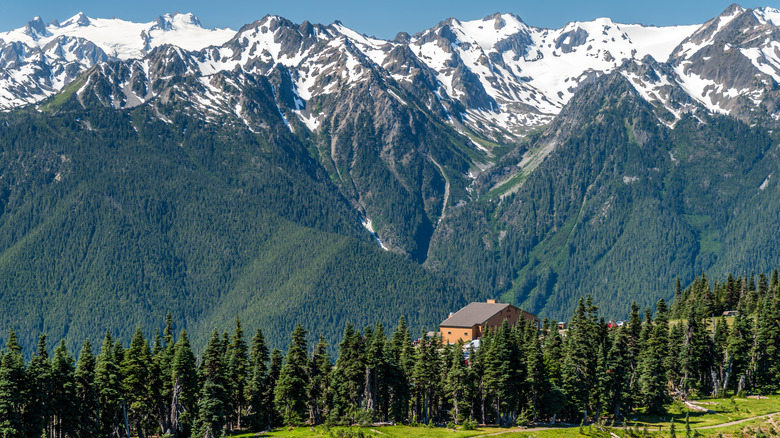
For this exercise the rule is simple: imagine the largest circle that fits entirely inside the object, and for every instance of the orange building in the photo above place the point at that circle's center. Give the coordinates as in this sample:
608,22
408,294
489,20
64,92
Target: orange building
469,322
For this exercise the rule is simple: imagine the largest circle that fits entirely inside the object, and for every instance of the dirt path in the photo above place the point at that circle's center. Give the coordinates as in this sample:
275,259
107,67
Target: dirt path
715,426
731,423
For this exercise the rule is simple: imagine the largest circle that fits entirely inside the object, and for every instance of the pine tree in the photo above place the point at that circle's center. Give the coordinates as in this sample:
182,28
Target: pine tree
38,412
291,388
86,393
108,382
139,401
766,347
619,369
63,394
274,369
653,373
400,362
212,402
348,376
459,385
319,388
738,352
258,408
12,385
535,377
238,364
184,393
426,378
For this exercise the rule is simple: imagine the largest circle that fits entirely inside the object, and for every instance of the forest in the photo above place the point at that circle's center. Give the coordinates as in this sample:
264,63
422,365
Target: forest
519,375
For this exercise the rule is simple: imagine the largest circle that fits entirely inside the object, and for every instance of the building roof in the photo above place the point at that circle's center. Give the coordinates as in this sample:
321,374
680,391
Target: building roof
474,313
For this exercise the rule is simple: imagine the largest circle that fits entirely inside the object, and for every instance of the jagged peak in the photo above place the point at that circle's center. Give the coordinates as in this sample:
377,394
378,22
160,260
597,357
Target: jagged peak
79,19
175,20
35,28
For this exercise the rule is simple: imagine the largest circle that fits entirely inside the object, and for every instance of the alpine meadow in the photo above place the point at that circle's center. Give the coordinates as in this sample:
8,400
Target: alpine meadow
210,232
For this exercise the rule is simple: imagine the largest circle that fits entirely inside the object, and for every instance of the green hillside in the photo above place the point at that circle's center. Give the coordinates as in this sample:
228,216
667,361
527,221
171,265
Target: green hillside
110,219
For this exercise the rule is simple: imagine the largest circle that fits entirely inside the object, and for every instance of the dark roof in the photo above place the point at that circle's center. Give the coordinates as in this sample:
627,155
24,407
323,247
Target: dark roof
474,313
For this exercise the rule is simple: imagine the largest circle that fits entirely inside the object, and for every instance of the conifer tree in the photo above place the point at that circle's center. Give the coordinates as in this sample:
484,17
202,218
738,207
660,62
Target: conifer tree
319,388
86,393
12,379
738,352
138,398
459,384
184,392
348,376
291,388
653,378
108,383
766,347
258,408
38,376
535,377
212,402
619,370
274,369
402,362
63,394
426,378
238,363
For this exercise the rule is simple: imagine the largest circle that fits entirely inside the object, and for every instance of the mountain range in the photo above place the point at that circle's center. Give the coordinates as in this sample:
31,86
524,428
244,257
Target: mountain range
482,158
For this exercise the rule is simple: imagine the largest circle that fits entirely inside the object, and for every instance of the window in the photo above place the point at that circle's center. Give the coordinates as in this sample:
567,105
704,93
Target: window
449,333
466,334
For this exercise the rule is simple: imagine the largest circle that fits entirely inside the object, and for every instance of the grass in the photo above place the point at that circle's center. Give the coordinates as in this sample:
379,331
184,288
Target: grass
725,410
63,95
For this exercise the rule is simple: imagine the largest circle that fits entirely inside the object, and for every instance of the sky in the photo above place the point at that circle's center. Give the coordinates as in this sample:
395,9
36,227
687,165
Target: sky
383,19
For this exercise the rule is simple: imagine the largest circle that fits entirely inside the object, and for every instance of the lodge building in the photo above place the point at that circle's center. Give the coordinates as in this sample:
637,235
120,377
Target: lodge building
471,321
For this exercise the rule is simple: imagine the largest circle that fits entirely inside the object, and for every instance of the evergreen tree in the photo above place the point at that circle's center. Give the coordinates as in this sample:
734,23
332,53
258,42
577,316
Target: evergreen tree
258,409
86,393
319,388
291,388
738,353
401,362
274,370
535,377
38,411
212,402
108,383
348,376
184,393
619,371
12,385
238,364
63,394
459,385
136,379
766,347
653,378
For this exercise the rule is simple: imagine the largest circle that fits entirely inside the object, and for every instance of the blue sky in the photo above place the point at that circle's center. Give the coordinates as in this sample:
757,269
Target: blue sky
381,18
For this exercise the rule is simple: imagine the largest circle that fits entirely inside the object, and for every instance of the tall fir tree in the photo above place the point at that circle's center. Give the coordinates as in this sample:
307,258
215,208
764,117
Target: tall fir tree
108,383
136,379
291,388
184,387
212,402
86,393
38,412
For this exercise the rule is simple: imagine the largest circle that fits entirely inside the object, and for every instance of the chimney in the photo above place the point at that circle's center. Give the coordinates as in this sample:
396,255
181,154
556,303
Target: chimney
491,301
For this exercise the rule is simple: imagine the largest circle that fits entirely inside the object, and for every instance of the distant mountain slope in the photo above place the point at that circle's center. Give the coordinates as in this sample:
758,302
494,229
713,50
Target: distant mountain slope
482,158
620,207
109,219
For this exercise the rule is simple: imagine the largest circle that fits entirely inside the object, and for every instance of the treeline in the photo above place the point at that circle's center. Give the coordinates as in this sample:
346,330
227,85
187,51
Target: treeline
518,375
743,294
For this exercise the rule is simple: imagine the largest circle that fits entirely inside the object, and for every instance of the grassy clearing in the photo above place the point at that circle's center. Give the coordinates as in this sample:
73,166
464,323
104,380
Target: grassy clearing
724,411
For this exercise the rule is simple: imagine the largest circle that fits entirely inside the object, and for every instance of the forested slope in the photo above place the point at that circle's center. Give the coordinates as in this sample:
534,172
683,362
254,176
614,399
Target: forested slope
109,219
